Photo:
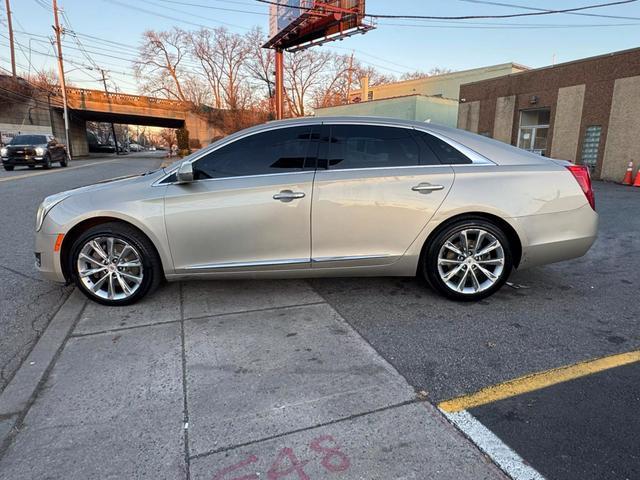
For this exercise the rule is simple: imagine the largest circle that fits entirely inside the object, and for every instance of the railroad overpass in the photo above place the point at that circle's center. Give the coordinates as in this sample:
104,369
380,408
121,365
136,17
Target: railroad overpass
31,108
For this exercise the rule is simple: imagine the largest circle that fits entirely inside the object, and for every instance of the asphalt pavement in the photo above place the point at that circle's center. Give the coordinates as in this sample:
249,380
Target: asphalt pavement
28,302
250,338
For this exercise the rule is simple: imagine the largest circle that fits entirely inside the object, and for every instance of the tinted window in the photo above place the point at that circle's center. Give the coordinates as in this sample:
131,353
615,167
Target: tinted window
28,140
275,151
365,146
445,152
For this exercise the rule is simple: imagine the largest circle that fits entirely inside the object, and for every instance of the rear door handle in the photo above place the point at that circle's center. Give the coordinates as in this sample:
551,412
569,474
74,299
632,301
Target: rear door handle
288,195
426,188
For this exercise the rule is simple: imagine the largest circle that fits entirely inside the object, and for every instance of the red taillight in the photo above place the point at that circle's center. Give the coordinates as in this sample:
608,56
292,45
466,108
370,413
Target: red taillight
582,176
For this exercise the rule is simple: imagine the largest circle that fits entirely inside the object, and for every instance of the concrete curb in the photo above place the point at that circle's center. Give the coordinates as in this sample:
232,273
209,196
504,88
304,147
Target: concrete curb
19,393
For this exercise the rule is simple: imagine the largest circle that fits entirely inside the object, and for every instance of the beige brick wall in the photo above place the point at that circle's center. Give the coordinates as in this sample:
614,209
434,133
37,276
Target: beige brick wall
622,144
566,129
469,116
503,124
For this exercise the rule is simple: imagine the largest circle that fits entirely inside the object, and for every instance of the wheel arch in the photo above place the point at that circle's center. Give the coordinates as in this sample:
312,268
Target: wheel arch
79,228
512,235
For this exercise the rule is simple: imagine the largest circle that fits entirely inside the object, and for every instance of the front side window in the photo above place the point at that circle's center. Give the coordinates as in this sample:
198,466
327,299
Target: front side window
366,146
275,151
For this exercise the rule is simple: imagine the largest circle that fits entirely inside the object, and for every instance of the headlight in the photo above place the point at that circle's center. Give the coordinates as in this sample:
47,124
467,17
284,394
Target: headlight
46,206
3,151
39,151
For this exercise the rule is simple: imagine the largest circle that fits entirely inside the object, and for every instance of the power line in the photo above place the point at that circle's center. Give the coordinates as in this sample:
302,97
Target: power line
210,7
464,17
523,7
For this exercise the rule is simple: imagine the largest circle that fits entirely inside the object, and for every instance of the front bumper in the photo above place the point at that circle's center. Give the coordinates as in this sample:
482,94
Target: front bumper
47,259
23,161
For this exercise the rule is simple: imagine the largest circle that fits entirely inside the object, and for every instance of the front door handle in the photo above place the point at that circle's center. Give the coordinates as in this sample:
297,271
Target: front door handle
426,188
288,195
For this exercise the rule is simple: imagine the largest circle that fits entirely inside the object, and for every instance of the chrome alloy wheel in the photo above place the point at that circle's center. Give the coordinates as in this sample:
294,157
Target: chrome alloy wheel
110,268
471,261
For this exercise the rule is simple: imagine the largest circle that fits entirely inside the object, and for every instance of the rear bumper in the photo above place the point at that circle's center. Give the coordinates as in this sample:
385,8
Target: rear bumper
555,237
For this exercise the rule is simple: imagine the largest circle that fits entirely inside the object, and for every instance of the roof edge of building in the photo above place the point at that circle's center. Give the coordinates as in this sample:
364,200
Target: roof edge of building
549,67
437,97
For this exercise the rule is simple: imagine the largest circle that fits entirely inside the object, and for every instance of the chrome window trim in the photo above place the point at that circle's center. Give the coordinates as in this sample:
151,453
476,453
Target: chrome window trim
263,263
403,167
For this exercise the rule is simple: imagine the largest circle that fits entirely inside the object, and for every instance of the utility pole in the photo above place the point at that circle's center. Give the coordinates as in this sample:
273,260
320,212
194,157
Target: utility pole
113,128
63,85
11,47
350,78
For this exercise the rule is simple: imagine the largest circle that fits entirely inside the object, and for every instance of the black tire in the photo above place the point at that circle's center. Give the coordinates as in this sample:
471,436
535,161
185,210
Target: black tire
151,264
8,168
47,162
436,244
31,167
65,161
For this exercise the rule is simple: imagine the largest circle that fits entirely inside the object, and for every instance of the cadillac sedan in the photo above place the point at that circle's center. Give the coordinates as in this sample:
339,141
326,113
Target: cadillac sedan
321,197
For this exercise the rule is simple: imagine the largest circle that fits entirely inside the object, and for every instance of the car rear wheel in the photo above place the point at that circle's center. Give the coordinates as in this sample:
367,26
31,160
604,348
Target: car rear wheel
468,260
115,264
8,168
65,161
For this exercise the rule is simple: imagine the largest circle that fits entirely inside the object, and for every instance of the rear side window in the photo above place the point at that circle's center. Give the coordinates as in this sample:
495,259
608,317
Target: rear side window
447,154
370,146
275,151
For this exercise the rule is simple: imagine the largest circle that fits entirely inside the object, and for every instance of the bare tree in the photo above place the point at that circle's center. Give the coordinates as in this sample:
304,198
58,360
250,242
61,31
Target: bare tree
159,62
260,63
420,74
304,72
203,47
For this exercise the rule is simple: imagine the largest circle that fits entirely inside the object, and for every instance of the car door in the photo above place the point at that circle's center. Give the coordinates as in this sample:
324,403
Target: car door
249,207
379,187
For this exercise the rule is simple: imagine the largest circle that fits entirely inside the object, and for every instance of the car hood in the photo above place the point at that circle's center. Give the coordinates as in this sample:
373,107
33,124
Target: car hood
117,182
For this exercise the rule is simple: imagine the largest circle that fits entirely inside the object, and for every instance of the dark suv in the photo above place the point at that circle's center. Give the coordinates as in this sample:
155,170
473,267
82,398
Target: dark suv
32,150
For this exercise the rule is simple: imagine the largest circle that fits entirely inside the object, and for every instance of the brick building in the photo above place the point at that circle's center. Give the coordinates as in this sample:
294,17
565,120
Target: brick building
586,111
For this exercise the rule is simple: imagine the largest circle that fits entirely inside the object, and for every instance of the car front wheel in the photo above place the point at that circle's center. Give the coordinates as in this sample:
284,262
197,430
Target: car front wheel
115,264
468,260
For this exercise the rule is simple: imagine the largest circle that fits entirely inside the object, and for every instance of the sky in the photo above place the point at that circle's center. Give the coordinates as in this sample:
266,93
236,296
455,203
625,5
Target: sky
111,31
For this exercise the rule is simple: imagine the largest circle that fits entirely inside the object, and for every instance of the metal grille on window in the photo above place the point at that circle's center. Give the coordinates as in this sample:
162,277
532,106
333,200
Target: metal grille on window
590,146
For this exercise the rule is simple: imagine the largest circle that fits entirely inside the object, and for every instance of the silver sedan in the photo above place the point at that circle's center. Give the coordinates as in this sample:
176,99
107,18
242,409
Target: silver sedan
319,197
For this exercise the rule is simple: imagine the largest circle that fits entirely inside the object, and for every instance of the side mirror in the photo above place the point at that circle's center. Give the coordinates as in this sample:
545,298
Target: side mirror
185,173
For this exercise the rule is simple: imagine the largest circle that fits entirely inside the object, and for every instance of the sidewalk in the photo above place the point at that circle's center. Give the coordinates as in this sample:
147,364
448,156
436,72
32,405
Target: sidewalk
226,380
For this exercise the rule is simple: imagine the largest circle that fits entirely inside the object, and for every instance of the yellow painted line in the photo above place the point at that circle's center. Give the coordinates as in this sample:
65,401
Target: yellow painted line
536,381
58,170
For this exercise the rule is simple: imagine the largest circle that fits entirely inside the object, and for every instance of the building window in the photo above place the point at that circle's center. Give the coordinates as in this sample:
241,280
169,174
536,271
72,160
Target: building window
534,130
590,146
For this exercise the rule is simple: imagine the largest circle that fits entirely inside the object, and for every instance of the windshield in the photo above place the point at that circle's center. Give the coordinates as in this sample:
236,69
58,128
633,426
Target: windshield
28,140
